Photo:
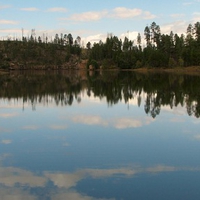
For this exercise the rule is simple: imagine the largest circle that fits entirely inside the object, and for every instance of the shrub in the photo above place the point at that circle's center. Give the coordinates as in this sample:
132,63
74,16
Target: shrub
138,64
180,62
172,63
93,63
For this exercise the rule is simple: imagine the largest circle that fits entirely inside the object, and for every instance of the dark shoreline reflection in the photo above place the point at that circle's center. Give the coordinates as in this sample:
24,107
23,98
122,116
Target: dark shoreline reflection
65,87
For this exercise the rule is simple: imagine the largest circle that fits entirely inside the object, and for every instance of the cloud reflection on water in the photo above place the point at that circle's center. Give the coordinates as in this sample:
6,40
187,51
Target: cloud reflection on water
15,194
30,127
123,123
8,115
90,120
118,123
58,127
16,183
3,130
10,176
197,137
6,141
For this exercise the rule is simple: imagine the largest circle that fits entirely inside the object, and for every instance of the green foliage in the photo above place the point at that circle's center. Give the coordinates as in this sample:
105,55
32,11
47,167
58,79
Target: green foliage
180,62
4,65
107,64
172,63
93,63
67,57
156,59
138,64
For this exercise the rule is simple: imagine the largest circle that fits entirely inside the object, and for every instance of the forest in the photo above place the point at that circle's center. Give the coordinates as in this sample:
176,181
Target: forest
63,52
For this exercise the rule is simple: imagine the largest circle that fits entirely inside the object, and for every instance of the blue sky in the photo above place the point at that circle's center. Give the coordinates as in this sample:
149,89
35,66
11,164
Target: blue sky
93,19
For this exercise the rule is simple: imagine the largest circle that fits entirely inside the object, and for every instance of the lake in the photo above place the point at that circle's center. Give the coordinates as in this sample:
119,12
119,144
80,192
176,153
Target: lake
99,135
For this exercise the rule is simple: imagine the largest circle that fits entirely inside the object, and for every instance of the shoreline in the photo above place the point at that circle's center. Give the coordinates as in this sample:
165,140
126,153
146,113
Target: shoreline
191,70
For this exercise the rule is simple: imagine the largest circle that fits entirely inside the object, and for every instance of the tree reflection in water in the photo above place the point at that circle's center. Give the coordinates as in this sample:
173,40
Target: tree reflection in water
65,87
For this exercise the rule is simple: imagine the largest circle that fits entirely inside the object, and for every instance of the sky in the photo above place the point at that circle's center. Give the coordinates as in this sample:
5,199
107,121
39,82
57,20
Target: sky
93,20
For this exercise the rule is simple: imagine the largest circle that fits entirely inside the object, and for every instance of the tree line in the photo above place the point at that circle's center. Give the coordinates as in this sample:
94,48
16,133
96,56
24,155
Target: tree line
160,50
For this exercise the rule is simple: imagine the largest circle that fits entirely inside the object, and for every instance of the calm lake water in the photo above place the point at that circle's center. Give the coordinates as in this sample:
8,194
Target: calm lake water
112,135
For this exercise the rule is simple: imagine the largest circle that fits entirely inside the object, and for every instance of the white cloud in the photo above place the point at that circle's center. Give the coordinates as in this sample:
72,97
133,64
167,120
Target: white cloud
71,195
122,12
10,176
6,141
161,168
196,17
178,27
177,15
196,121
178,110
31,9
197,137
101,173
118,13
177,120
66,144
127,123
57,9
66,180
12,105
118,123
30,127
15,194
8,115
187,3
4,130
10,22
125,13
90,120
4,7
148,15
132,35
4,156
124,123
95,38
58,127
87,16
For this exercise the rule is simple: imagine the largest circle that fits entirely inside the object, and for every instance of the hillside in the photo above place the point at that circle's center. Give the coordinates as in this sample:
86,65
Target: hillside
32,55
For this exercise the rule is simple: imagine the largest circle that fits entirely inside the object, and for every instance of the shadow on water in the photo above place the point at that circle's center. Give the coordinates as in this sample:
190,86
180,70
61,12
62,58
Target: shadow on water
65,87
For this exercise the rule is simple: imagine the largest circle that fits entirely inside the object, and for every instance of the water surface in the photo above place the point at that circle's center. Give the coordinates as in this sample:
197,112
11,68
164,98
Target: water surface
110,135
